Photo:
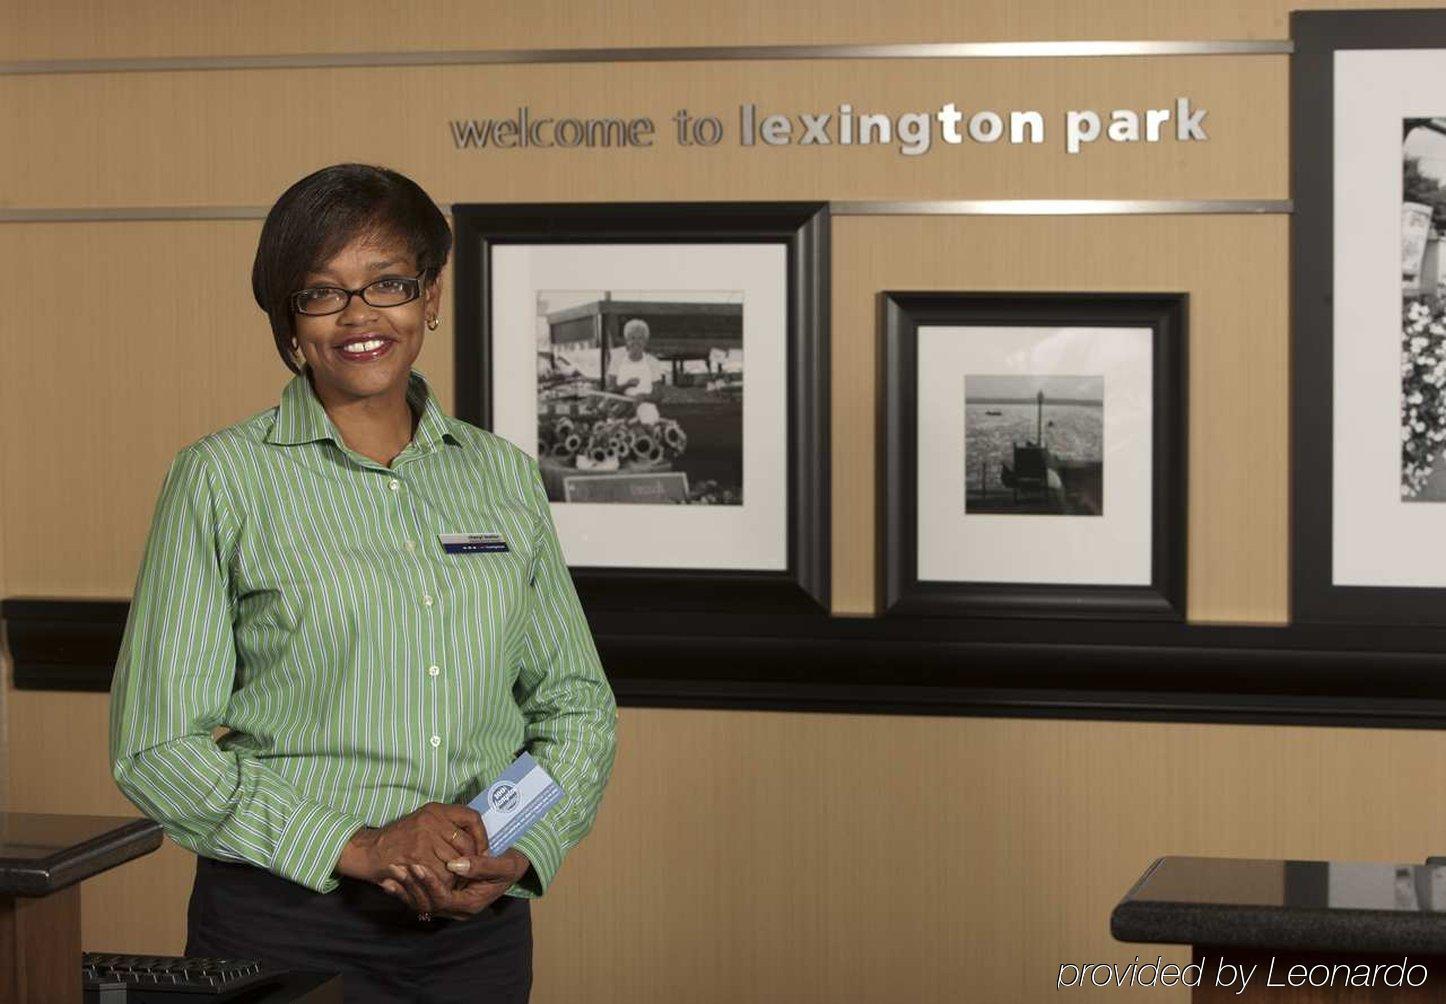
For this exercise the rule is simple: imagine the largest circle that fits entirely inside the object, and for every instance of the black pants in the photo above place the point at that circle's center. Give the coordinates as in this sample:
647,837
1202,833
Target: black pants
385,955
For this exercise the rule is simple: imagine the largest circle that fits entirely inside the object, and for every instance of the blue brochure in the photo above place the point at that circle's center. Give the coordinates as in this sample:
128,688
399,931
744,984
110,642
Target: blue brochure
512,803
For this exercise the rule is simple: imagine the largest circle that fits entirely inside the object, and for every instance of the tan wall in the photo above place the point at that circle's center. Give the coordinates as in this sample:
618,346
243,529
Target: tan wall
990,850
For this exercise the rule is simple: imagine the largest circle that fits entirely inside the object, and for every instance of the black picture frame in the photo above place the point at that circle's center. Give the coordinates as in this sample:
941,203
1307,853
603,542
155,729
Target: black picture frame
902,592
802,228
1315,598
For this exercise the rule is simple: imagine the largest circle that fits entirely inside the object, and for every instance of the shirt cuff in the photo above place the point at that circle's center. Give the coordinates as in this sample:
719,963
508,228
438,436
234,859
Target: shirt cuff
311,845
541,847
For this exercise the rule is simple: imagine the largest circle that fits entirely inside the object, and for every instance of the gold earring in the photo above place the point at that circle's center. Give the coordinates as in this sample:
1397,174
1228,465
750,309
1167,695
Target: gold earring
432,323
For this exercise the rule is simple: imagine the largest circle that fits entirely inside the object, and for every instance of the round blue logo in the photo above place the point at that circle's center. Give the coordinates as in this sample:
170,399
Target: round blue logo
503,796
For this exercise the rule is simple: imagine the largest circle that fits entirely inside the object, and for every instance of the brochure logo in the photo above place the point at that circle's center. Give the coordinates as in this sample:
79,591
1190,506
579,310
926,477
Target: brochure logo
503,796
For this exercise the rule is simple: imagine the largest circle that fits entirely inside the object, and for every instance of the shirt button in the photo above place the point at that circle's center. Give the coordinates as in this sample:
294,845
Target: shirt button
436,741
426,599
409,546
394,485
433,670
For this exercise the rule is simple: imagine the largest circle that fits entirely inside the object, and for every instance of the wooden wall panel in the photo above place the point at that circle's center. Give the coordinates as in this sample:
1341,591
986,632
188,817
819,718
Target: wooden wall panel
153,328
738,856
138,339
240,137
1234,269
91,29
844,859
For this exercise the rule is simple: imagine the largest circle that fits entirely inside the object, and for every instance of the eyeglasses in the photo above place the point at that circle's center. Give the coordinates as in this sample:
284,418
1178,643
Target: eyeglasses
318,301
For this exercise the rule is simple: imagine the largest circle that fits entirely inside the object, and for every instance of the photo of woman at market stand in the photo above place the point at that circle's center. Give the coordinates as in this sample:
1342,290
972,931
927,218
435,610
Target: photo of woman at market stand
635,372
640,396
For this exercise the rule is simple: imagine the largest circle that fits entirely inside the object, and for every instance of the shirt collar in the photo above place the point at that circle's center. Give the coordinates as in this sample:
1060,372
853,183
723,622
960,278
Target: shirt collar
302,419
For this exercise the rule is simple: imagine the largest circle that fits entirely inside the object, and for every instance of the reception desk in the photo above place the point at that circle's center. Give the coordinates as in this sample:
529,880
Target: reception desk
1300,931
43,860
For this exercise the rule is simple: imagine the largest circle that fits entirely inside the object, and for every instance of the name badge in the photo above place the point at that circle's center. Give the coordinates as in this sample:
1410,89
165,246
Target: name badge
472,543
512,803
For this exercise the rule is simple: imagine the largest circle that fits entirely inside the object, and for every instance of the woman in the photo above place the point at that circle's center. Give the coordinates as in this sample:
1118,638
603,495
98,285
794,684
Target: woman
634,371
295,589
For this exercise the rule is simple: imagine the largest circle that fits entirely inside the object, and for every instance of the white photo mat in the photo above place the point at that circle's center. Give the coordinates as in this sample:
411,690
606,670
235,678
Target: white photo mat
751,536
1111,549
1377,539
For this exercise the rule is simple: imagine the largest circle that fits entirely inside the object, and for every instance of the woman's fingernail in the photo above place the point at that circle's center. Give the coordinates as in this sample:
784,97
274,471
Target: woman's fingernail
461,866
419,871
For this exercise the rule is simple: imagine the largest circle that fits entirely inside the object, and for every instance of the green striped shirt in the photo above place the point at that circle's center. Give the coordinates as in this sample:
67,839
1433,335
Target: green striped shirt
296,592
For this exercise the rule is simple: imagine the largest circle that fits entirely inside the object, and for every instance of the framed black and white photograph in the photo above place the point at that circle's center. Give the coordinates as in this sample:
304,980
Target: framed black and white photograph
1369,328
666,365
1034,455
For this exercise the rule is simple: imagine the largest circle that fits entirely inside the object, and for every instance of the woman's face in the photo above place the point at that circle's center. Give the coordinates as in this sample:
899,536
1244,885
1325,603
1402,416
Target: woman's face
637,343
365,351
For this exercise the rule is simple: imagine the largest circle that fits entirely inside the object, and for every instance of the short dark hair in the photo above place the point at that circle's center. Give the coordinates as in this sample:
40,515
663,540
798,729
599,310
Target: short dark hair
323,212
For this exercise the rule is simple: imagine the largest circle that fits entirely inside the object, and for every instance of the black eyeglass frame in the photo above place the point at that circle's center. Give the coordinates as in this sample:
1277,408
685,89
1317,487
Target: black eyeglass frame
417,282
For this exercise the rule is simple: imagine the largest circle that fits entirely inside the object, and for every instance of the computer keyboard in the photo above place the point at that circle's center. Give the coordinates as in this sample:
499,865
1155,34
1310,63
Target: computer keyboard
179,979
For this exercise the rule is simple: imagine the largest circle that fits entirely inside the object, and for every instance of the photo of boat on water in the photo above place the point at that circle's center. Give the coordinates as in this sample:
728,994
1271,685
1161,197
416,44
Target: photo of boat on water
1034,445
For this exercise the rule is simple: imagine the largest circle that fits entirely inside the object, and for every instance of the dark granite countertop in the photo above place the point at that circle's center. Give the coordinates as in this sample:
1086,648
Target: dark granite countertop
1300,905
42,853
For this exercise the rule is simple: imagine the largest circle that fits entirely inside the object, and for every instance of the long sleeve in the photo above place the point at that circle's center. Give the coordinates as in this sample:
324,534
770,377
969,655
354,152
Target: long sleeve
568,706
171,687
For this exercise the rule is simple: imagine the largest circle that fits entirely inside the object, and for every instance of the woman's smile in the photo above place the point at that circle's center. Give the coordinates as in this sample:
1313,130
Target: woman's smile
364,348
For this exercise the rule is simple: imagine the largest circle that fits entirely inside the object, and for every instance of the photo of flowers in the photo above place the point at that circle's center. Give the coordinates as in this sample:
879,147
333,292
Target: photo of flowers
1423,310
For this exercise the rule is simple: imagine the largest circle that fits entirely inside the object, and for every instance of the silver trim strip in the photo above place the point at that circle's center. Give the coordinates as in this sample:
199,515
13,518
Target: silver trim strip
959,207
126,214
1062,207
656,54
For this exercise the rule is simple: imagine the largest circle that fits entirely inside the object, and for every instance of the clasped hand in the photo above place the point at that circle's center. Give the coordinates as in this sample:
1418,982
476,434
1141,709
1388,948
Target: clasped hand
435,860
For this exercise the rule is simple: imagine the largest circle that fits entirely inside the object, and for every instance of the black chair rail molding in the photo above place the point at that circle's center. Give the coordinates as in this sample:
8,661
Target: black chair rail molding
1012,667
